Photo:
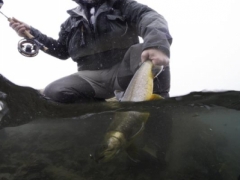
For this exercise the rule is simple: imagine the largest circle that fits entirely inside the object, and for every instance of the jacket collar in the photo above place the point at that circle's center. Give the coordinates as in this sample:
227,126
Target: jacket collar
80,10
77,11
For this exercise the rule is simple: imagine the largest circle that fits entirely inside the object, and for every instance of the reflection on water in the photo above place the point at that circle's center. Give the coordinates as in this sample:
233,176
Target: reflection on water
121,134
190,137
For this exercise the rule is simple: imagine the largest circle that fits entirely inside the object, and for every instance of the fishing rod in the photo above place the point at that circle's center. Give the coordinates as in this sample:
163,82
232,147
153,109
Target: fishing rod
28,46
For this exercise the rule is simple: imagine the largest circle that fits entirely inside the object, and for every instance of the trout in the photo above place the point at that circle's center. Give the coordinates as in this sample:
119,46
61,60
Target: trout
126,126
141,86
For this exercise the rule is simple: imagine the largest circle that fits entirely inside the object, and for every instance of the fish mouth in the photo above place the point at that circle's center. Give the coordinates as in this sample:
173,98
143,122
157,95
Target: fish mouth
103,157
97,159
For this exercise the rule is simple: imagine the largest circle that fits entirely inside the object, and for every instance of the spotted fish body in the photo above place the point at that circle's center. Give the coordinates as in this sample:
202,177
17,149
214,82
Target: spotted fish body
141,85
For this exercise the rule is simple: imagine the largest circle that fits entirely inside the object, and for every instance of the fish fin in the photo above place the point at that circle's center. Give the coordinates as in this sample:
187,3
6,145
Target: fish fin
156,97
137,133
133,153
119,94
151,151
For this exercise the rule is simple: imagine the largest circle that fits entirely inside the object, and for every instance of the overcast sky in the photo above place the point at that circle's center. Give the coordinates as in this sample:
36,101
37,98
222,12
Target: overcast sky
205,54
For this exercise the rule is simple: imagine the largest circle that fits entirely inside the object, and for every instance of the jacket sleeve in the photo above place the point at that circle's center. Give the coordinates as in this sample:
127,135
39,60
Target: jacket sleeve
149,24
57,48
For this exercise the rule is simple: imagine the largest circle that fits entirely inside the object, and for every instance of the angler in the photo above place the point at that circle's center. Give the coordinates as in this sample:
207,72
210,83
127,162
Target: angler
102,37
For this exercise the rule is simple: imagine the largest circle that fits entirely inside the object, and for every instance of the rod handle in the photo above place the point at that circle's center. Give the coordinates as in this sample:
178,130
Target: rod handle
28,35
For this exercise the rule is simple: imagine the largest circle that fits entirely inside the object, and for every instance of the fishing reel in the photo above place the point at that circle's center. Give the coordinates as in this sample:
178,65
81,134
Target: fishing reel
28,47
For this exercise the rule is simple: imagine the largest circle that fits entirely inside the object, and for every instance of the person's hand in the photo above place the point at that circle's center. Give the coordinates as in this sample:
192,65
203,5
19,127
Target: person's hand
19,27
156,56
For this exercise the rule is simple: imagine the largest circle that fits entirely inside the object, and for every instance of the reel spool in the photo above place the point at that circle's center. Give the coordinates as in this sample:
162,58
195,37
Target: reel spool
28,47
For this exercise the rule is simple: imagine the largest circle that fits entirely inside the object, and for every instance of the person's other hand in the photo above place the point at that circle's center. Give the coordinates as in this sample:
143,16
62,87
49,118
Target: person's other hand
19,27
156,56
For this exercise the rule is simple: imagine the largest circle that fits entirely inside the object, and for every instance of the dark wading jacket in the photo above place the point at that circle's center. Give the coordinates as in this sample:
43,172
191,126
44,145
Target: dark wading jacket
118,23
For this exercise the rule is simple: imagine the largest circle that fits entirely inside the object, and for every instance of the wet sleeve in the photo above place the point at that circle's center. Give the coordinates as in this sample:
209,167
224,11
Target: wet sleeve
57,48
149,24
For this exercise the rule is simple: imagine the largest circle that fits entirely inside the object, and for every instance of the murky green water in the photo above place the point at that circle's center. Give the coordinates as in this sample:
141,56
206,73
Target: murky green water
192,137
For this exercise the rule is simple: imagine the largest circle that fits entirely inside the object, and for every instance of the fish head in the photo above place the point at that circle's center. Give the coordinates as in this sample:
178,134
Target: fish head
109,148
